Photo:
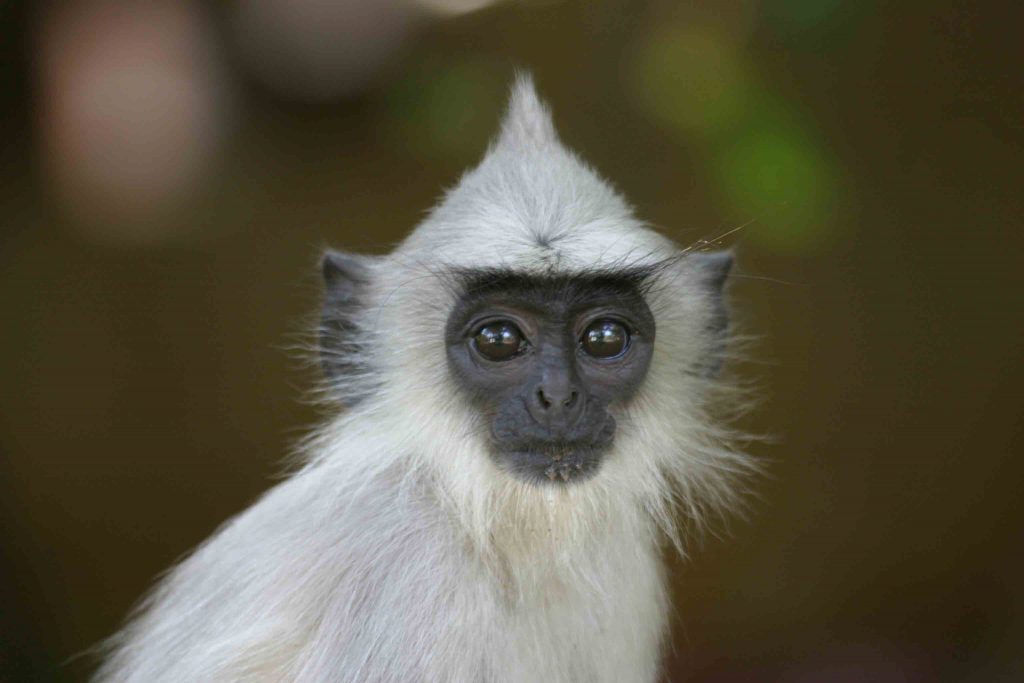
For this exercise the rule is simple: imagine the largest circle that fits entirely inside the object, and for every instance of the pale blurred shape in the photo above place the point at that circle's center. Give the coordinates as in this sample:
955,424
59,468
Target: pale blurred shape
130,113
319,49
455,7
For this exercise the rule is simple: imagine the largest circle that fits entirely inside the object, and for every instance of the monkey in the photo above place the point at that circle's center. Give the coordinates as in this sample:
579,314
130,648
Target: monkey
524,392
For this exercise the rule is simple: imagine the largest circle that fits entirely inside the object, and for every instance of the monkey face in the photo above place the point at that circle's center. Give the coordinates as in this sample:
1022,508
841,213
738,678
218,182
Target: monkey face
545,360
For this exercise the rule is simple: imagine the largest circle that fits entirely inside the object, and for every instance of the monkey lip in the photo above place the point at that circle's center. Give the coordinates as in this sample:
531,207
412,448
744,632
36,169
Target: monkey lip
559,464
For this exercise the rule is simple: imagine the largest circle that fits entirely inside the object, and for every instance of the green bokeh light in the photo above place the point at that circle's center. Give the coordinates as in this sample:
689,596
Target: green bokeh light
775,176
690,79
767,163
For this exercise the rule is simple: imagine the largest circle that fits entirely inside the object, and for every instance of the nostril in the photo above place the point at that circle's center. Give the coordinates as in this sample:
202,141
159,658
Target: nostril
571,401
542,399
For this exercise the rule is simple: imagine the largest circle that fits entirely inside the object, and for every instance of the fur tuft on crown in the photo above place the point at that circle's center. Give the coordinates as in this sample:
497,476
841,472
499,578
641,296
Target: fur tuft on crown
527,123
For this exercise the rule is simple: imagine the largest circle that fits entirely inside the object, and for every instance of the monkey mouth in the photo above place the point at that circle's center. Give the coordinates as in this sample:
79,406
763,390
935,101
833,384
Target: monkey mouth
553,463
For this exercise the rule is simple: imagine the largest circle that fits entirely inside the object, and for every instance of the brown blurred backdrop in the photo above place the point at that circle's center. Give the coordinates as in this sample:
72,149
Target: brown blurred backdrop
169,171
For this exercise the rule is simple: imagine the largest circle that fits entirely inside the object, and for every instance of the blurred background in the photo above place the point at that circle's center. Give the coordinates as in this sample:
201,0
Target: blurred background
169,171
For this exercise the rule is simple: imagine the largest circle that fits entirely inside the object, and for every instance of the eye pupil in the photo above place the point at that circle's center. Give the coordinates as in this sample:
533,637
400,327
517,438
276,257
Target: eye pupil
605,339
499,341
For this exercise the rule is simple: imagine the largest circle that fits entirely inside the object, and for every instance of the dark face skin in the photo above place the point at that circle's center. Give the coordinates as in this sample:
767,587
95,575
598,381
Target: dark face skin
543,359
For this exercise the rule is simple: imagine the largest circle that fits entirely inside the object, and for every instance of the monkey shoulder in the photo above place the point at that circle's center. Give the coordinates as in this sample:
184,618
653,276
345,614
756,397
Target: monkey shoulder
317,576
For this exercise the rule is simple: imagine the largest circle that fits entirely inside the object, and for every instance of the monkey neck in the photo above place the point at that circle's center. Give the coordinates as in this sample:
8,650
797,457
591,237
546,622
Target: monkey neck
529,535
540,557
516,529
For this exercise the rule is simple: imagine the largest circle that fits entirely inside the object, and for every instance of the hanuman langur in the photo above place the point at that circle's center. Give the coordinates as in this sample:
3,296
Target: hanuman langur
526,382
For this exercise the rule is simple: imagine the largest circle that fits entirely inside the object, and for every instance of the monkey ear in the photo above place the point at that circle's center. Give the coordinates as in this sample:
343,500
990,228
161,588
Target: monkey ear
343,274
346,277
712,268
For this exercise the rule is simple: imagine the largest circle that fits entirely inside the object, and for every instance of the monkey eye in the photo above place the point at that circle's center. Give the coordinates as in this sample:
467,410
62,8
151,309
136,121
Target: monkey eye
499,340
605,339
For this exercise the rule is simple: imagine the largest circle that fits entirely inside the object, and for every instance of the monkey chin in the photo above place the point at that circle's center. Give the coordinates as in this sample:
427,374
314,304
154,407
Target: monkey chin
553,464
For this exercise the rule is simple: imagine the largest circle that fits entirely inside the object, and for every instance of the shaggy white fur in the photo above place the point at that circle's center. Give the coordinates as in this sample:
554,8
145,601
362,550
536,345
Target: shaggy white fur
399,552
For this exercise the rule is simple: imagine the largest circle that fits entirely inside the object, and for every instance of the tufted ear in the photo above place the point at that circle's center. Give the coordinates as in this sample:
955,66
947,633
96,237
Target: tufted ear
712,269
346,277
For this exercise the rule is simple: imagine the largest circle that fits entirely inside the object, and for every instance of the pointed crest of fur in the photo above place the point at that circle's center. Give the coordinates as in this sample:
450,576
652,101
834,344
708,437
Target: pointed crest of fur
527,121
532,205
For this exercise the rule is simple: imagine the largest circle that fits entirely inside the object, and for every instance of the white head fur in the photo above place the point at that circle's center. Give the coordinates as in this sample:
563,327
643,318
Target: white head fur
400,539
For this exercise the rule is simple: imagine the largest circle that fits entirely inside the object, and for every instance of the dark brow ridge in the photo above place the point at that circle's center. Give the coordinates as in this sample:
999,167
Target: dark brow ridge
483,281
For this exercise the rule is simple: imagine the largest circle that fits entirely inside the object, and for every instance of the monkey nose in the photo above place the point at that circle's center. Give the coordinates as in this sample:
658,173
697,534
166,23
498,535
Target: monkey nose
556,407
